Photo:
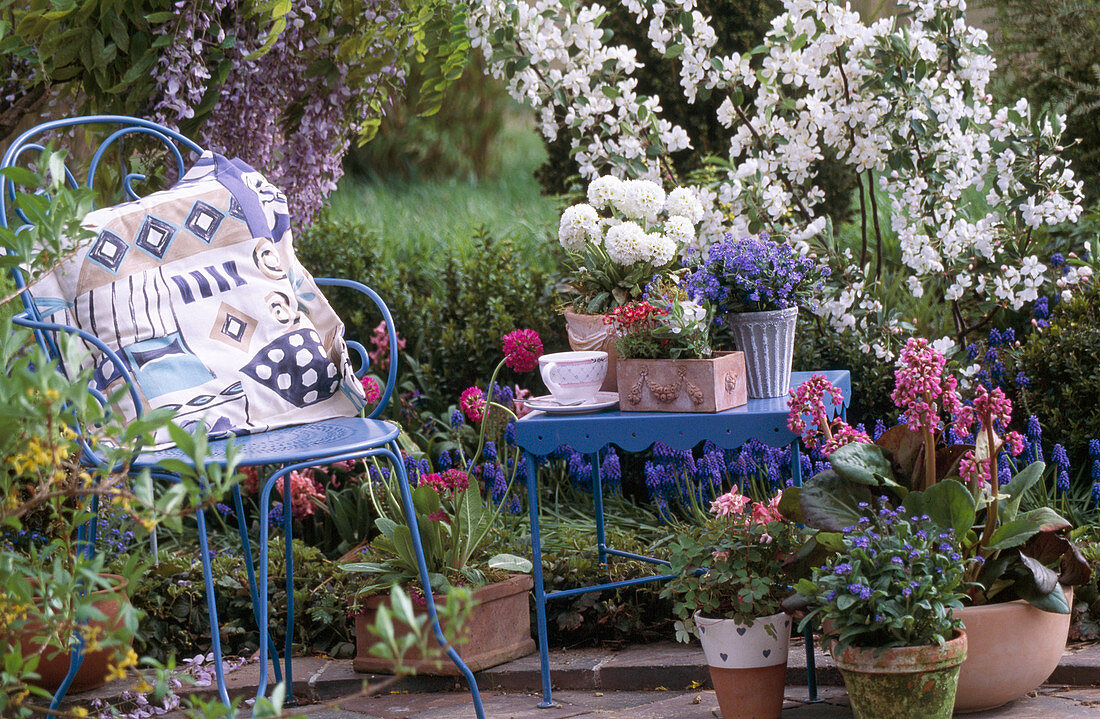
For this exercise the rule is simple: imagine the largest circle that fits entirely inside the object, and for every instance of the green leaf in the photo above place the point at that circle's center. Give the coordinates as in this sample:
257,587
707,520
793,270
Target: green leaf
1012,534
1047,519
21,176
1018,486
951,506
831,503
861,463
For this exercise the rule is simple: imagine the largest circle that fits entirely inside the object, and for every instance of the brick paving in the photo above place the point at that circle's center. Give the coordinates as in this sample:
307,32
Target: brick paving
656,681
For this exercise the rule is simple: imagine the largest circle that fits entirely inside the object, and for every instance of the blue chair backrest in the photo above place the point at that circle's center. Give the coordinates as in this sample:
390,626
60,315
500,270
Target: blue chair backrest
116,129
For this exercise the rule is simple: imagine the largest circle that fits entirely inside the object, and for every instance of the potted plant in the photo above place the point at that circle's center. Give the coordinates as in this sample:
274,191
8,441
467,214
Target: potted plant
757,284
1026,562
728,584
612,256
886,600
454,522
665,360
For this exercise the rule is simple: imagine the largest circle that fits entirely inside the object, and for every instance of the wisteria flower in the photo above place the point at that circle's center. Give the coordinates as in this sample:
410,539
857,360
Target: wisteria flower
522,349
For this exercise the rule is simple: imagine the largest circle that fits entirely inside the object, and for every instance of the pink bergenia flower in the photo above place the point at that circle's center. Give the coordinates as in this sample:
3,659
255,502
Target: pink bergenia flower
845,434
380,355
522,349
809,399
303,493
730,504
371,389
921,389
472,403
439,516
971,469
991,408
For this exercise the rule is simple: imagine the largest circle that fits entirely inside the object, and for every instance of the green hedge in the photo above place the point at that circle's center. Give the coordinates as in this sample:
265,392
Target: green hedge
452,308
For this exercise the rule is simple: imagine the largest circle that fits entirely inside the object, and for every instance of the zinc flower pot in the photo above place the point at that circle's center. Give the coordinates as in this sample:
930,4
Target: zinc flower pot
589,333
53,663
902,682
996,671
767,339
682,385
748,664
498,630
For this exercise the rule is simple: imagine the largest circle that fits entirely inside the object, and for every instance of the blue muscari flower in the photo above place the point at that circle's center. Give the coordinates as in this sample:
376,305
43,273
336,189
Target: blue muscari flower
275,516
1057,259
994,340
972,351
1008,336
223,509
510,433
425,467
1022,380
1063,481
990,355
1059,457
580,471
1004,471
1041,308
998,371
1096,492
514,505
489,451
880,428
1094,449
444,461
411,465
1034,430
503,395
1096,470
610,471
456,419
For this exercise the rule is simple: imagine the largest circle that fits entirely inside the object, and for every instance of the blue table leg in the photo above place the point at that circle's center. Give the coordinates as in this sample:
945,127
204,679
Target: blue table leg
597,496
540,591
811,662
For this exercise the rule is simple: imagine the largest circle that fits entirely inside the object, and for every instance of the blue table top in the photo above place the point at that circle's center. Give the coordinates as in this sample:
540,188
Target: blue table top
762,419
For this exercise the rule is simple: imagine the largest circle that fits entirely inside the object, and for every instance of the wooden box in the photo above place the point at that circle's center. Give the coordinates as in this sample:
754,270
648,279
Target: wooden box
682,385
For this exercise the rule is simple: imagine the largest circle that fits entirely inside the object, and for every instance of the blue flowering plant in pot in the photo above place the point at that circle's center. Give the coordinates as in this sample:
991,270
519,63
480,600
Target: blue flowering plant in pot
757,284
886,600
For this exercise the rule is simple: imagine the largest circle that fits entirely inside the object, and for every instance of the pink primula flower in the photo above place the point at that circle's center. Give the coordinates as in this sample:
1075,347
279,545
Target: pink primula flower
371,389
522,349
472,403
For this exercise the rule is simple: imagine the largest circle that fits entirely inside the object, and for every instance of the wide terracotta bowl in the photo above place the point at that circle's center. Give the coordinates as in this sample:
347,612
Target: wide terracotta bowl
1013,648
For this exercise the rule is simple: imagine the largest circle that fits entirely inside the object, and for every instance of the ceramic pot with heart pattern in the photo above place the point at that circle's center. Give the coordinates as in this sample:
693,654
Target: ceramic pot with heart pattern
748,664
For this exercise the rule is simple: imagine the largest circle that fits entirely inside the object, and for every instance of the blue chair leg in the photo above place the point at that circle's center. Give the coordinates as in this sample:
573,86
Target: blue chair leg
76,658
246,548
597,496
211,607
540,591
394,456
288,535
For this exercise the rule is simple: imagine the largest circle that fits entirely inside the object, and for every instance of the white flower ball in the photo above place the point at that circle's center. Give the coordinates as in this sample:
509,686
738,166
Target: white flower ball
642,200
679,229
578,224
604,191
626,243
682,202
660,249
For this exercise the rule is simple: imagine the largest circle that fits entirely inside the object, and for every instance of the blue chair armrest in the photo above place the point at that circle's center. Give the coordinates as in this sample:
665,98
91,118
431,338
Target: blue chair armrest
391,329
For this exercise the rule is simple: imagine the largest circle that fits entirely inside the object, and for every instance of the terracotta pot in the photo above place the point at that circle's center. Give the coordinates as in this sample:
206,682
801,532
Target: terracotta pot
53,664
902,682
589,333
497,631
748,664
682,385
1014,647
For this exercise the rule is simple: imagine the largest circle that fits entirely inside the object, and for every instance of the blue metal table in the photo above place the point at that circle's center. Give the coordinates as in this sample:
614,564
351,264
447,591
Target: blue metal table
539,434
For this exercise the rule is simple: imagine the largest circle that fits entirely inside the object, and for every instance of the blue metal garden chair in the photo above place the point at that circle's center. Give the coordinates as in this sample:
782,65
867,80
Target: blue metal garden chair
289,448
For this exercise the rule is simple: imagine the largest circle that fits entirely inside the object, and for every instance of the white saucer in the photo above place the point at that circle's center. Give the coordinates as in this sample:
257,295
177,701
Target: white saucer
546,403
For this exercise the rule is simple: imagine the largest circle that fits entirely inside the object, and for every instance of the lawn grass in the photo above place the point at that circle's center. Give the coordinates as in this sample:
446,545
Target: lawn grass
417,217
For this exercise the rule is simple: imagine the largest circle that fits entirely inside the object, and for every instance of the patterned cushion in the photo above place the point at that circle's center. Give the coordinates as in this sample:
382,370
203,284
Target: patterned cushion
198,290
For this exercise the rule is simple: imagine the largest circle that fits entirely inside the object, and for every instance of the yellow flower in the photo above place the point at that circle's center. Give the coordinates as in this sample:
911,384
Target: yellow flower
143,687
115,672
79,712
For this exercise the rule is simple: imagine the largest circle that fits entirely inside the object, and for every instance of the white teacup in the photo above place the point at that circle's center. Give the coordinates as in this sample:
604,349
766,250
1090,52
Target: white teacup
573,377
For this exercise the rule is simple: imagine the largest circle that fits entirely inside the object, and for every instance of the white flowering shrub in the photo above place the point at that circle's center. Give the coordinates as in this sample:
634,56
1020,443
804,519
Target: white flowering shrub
951,189
613,256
